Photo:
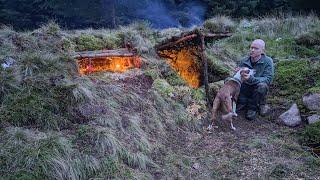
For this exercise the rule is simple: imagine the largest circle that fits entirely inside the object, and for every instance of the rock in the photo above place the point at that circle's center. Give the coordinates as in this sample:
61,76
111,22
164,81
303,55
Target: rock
8,62
312,101
291,117
196,166
313,119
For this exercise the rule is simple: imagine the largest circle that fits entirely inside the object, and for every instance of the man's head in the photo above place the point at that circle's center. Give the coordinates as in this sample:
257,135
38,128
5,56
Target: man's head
257,48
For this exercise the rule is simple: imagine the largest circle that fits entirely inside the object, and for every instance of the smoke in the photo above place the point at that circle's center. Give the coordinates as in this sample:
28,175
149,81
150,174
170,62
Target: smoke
196,13
160,13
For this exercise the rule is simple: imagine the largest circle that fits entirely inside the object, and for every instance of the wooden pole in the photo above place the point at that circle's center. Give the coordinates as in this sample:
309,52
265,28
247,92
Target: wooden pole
205,73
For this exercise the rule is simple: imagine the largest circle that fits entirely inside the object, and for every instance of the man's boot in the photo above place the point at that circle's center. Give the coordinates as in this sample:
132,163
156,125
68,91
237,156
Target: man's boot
251,115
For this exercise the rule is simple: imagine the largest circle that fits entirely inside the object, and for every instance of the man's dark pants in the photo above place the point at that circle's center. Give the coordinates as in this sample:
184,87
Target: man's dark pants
253,95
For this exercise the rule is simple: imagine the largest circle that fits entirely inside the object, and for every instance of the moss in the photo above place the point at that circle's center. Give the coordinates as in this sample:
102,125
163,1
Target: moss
217,70
67,45
198,95
87,42
163,87
152,72
111,41
294,78
174,79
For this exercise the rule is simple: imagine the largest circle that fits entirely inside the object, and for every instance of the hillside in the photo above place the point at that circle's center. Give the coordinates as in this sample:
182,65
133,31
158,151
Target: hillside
147,123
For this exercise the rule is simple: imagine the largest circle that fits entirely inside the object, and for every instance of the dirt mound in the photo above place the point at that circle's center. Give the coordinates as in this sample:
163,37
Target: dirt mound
139,84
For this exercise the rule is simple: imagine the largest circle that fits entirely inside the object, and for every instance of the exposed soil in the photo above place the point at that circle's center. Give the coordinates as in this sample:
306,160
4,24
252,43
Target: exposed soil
256,149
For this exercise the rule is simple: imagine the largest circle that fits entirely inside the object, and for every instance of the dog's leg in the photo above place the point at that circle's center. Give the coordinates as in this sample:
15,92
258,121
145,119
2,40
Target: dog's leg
234,108
231,124
230,114
215,106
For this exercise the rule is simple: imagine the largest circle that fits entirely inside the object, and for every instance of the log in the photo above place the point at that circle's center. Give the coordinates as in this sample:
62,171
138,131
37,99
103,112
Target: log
170,44
104,53
174,41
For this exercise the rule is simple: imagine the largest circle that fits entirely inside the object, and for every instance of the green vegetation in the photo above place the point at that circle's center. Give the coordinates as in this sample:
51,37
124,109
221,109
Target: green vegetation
92,13
36,156
56,124
311,135
294,78
219,24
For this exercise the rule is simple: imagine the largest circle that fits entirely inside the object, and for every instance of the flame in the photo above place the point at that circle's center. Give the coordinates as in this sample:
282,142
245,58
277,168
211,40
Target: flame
113,64
184,62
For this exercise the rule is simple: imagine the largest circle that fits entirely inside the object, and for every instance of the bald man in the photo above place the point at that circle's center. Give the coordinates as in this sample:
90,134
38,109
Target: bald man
254,90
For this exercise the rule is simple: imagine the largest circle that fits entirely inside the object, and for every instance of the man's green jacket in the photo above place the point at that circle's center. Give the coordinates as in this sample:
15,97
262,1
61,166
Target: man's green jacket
264,70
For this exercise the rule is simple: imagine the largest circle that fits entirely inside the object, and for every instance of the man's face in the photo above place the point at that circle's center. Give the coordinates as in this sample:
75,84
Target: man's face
255,50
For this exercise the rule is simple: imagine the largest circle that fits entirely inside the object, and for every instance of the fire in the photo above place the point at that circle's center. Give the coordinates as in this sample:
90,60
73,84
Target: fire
113,64
185,63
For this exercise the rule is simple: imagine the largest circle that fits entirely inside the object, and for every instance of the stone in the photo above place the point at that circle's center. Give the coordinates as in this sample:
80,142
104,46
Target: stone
312,101
291,117
8,62
196,166
313,119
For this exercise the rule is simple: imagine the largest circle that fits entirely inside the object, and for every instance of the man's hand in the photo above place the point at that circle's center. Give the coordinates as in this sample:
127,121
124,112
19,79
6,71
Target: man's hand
237,69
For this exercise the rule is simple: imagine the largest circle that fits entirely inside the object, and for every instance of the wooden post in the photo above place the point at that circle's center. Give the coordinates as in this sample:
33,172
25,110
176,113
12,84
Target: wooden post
205,73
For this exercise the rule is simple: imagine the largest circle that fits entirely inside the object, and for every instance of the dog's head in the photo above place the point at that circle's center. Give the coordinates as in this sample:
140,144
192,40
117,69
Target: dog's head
242,72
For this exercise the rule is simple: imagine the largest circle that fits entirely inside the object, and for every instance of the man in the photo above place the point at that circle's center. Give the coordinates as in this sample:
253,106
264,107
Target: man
254,90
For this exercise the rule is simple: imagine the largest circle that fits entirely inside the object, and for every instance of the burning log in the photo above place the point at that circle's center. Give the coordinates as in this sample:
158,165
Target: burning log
107,60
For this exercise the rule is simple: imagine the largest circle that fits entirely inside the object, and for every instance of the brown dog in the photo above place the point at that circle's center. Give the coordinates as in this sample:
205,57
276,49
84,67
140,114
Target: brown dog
227,96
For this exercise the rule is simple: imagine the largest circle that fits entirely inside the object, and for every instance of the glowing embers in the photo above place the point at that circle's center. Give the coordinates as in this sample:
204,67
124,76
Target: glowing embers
107,60
185,62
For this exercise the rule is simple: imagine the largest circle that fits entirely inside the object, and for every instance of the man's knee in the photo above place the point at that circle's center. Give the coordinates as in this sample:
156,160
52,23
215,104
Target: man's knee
262,88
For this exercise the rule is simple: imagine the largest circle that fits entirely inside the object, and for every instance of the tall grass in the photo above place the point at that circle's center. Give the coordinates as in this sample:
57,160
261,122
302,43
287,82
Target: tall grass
49,157
278,26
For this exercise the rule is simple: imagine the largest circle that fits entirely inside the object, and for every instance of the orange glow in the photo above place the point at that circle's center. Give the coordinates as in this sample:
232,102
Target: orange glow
113,64
185,63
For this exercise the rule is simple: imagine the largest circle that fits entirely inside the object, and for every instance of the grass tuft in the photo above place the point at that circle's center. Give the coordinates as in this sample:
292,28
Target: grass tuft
220,24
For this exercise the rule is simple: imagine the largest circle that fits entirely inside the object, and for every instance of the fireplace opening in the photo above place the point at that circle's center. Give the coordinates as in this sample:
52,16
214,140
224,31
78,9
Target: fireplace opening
118,61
